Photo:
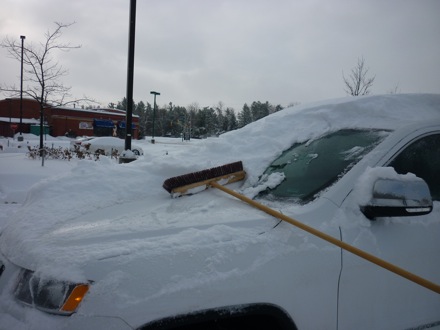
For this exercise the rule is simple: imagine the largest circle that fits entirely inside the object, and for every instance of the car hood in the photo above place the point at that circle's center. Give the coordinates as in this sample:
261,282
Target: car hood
120,233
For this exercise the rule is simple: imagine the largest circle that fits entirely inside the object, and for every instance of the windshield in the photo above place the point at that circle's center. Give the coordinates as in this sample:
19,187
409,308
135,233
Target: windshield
312,166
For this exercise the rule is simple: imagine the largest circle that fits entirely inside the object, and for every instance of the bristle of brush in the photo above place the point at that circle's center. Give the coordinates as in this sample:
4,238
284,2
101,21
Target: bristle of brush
211,173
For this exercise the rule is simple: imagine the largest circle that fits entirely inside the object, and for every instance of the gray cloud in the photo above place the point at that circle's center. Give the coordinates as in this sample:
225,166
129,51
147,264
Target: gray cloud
235,51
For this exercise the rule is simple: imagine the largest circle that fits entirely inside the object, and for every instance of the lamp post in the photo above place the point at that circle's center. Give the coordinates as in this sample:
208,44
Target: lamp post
20,138
154,113
130,74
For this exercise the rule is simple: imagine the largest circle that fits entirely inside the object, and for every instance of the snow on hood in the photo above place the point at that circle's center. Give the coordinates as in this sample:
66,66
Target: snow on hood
96,201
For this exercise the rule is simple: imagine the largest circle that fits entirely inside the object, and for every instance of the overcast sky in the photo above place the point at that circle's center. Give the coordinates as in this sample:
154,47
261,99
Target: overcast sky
233,51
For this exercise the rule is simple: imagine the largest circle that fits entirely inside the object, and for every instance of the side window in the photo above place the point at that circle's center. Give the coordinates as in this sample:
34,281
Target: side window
422,158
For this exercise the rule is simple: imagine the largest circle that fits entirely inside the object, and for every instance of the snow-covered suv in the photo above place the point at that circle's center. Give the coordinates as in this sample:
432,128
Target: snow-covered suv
82,254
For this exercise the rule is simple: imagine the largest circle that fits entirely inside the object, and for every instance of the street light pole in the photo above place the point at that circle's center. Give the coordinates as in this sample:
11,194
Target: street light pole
130,74
20,138
154,113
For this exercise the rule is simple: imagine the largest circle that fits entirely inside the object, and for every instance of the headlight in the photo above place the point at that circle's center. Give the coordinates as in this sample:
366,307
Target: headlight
49,295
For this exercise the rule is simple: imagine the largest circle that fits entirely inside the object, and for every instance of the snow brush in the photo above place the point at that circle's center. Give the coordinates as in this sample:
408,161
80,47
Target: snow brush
195,182
215,177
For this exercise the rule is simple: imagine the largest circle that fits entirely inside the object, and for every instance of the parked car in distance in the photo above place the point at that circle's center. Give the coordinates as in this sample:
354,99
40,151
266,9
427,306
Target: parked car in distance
107,145
117,251
80,140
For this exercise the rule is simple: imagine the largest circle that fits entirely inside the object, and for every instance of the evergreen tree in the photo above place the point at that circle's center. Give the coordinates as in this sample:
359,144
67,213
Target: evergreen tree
211,121
245,116
177,121
181,118
221,121
160,121
139,108
259,110
122,105
277,108
145,121
231,120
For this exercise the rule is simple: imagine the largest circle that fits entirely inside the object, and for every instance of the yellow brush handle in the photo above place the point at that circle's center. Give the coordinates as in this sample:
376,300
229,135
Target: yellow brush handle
380,262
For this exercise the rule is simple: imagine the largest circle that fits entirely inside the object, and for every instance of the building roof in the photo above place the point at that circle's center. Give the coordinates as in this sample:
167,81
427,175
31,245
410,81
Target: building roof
99,111
17,120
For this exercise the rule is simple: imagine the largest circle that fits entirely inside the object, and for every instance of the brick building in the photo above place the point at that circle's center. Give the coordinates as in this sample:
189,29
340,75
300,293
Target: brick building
60,121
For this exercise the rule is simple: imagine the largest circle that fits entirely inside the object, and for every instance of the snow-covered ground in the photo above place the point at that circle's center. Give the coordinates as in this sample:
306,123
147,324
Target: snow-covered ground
18,172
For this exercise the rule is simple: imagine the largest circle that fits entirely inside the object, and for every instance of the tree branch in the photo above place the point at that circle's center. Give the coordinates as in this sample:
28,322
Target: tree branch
358,83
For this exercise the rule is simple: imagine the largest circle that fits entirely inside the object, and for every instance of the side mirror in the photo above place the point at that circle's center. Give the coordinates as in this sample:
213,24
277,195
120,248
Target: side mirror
397,198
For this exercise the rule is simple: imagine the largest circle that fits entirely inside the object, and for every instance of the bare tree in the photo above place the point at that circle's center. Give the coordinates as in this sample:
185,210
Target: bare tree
41,71
358,83
395,90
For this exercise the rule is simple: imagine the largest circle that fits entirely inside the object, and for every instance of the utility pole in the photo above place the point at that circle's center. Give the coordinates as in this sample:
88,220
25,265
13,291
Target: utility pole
130,75
20,138
154,113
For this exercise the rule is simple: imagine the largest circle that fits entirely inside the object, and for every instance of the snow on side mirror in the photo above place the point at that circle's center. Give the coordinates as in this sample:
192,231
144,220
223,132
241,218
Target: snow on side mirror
395,198
388,194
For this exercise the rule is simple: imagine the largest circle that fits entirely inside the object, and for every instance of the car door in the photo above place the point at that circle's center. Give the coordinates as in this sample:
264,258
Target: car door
374,298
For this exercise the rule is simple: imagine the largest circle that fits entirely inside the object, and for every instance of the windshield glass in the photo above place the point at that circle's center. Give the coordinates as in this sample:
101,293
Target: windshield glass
312,166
